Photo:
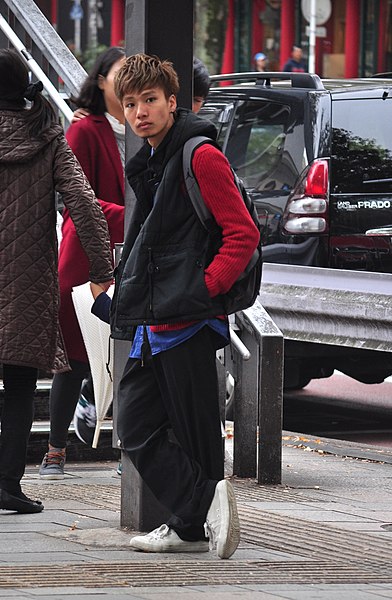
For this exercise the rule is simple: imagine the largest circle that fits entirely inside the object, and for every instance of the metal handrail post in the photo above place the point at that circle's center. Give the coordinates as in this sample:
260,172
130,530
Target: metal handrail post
262,372
270,410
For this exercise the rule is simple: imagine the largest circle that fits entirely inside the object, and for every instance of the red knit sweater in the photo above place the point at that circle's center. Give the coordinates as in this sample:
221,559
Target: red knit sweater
240,236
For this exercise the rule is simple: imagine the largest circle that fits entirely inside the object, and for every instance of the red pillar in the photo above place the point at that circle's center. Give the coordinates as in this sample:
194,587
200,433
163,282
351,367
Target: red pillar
381,37
228,53
351,42
53,13
287,27
117,30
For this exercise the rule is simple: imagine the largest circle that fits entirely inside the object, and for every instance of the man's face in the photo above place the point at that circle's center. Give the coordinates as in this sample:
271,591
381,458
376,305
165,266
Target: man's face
297,54
150,113
197,103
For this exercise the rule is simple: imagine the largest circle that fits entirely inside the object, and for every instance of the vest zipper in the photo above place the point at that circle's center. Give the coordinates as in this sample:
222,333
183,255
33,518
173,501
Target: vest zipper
144,345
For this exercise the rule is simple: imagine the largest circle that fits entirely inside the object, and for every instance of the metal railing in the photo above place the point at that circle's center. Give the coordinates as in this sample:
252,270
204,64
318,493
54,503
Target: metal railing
257,367
24,27
329,306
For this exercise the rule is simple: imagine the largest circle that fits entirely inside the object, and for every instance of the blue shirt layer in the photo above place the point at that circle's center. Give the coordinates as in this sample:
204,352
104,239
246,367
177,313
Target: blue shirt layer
164,340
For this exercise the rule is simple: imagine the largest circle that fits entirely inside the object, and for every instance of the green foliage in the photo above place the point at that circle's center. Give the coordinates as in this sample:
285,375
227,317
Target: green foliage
90,54
210,31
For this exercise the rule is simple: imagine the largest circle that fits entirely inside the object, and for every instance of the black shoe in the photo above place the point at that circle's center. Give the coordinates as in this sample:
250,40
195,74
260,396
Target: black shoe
20,503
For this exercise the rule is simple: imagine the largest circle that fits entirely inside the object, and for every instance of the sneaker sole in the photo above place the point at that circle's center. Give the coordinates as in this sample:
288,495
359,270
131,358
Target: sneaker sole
229,537
51,476
141,546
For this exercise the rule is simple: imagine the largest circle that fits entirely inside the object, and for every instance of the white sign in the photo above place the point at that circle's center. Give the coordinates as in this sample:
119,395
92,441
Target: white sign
323,10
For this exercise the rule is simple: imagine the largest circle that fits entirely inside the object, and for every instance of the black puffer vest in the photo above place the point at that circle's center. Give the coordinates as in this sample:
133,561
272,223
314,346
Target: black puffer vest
160,278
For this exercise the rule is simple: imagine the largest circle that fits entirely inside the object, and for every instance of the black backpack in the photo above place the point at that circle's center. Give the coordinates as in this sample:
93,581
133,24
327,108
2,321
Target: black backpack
246,289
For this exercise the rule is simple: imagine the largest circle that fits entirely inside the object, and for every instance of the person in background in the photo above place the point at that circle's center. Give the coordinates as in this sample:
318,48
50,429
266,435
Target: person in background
169,291
296,63
201,84
98,141
35,162
260,62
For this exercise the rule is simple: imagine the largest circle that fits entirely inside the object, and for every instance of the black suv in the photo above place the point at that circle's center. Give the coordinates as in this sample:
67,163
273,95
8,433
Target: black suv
316,157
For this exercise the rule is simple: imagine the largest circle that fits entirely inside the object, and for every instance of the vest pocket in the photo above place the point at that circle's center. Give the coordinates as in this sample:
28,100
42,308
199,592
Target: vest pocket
178,286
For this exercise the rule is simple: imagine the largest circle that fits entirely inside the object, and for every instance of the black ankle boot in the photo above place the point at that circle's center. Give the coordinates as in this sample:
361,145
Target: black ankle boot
20,503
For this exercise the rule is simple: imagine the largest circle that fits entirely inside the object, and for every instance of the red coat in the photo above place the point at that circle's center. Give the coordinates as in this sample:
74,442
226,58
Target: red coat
93,142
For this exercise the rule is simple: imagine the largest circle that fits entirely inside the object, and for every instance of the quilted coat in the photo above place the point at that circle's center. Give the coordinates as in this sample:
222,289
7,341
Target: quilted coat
30,172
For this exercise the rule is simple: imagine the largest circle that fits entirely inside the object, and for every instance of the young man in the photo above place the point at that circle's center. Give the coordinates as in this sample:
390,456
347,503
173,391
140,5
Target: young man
296,63
170,284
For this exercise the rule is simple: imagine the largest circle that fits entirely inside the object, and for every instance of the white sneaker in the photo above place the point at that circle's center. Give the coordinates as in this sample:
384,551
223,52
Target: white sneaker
164,539
222,524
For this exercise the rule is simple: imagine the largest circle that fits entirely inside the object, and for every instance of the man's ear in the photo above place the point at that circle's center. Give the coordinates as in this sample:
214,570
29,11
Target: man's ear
172,103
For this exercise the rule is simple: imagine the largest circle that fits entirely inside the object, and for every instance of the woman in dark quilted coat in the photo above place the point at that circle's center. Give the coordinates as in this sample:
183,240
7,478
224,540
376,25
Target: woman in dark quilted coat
35,161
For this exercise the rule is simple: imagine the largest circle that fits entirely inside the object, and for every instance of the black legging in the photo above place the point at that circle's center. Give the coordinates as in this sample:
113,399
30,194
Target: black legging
16,420
64,397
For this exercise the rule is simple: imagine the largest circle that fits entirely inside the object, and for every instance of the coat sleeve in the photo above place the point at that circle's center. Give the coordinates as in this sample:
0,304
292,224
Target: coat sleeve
83,144
101,307
85,211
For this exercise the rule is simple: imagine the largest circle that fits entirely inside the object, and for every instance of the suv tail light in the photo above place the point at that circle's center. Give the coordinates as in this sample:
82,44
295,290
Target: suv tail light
307,209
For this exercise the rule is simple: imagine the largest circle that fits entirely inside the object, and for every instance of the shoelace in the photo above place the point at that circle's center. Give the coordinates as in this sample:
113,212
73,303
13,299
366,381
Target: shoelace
54,458
159,533
212,528
208,533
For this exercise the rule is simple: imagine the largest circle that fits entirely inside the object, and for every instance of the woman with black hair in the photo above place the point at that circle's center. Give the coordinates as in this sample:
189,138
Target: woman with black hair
98,141
35,161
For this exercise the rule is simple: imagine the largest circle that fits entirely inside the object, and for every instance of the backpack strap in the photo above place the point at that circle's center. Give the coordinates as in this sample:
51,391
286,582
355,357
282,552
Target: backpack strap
192,187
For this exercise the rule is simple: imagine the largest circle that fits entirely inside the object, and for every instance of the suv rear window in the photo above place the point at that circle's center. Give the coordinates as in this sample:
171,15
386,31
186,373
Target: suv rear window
254,135
361,156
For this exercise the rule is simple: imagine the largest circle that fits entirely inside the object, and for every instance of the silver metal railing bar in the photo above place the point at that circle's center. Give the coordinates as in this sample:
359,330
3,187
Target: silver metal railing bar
36,69
239,345
49,42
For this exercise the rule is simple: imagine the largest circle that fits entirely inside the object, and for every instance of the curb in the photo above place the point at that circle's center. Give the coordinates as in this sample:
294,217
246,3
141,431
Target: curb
372,453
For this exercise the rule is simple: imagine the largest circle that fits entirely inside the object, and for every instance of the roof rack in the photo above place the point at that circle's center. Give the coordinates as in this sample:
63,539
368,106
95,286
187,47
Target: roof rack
382,75
298,80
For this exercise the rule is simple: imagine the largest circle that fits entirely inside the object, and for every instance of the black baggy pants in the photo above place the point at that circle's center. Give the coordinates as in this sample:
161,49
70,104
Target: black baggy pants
16,420
176,389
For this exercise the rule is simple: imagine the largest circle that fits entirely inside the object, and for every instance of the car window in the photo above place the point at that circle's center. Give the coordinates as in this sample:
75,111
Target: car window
259,138
361,154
